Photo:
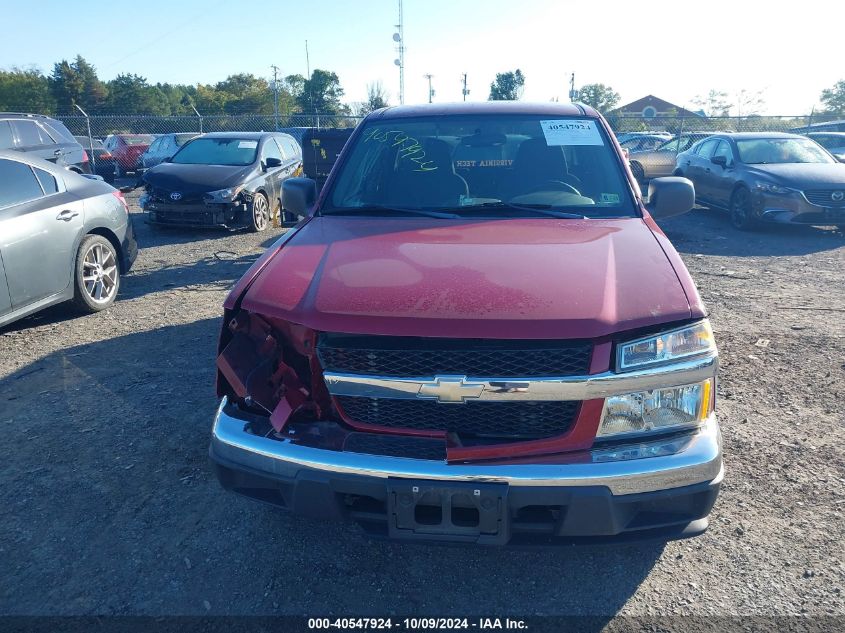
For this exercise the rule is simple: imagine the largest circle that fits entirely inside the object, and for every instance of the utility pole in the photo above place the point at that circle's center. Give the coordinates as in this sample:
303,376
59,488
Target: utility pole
308,79
275,95
430,89
465,91
573,94
399,38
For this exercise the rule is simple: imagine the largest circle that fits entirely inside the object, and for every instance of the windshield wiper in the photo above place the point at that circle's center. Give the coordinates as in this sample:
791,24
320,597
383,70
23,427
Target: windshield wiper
390,209
542,209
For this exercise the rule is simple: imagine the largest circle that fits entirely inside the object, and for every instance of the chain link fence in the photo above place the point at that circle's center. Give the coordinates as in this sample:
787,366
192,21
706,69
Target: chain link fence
103,125
626,123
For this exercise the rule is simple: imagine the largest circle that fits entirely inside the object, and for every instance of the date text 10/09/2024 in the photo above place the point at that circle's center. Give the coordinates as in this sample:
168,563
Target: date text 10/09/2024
417,624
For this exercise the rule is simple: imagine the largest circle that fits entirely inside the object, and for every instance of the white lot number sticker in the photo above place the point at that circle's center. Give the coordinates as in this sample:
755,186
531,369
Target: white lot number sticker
571,132
247,144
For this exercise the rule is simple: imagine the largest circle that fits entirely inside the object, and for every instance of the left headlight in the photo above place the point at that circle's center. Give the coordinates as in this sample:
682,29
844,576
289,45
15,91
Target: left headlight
692,340
669,409
224,195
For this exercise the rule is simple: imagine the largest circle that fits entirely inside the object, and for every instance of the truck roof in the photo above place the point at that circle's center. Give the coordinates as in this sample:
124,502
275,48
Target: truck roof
485,107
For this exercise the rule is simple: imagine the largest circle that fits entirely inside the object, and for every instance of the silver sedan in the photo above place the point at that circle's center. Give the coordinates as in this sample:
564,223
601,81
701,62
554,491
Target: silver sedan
660,161
63,236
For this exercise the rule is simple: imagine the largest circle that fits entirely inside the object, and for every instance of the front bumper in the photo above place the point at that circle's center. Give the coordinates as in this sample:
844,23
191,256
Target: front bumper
658,489
794,208
197,215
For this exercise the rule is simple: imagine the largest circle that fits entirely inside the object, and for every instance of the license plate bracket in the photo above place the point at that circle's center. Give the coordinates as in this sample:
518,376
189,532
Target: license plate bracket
448,511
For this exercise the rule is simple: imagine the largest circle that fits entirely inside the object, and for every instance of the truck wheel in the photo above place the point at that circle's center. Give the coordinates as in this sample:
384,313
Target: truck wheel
742,216
259,213
97,274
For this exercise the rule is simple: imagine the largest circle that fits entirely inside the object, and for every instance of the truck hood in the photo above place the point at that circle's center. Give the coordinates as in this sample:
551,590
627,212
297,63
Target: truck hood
513,278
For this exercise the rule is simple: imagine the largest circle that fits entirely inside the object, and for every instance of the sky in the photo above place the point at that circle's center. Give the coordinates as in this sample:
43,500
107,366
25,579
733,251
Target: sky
674,50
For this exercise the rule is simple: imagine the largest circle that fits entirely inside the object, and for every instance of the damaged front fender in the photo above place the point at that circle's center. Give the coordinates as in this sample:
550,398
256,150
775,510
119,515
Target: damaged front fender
271,366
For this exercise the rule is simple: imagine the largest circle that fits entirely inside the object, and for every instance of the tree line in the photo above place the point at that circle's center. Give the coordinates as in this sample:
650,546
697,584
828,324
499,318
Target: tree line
75,83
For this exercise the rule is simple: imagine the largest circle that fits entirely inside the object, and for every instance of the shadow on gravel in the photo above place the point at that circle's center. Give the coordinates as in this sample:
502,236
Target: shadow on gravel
707,232
47,316
217,271
111,508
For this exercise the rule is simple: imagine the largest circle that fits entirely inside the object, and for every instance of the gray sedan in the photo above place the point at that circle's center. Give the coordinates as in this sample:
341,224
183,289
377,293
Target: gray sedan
766,177
63,236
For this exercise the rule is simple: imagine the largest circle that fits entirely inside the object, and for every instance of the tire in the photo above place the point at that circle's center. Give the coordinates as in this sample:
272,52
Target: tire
259,213
741,214
96,274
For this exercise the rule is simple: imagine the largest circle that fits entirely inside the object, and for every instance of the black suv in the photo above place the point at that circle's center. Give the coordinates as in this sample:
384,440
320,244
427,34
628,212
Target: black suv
41,136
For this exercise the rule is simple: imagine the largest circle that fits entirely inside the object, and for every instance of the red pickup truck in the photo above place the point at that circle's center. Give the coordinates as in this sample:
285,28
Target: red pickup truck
477,333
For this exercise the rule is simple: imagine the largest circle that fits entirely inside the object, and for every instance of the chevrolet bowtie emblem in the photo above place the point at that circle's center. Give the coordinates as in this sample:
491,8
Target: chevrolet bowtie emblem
451,389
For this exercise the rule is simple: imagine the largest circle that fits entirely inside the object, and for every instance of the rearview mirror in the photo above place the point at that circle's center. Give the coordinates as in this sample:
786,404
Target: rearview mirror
272,162
719,160
670,196
299,195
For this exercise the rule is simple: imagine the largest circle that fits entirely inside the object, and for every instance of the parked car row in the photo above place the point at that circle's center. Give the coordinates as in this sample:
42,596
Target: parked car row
101,160
42,137
68,235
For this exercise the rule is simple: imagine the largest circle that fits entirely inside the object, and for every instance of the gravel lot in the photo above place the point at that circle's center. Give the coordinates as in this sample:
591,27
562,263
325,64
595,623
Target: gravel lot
110,506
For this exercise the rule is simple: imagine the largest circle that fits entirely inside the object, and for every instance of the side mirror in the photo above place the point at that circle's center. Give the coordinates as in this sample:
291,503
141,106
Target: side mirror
272,162
722,161
169,159
299,195
670,196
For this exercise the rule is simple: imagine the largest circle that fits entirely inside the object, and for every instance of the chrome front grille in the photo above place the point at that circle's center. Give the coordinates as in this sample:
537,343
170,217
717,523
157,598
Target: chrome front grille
417,356
440,397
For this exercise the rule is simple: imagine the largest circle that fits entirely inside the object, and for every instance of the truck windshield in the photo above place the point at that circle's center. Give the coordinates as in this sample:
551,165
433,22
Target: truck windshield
483,165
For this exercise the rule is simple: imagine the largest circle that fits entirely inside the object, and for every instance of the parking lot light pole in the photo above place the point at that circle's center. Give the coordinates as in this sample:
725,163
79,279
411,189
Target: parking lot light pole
275,96
90,138
199,116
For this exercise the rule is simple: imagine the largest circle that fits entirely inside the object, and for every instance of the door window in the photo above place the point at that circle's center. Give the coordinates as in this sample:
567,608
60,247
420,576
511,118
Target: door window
705,150
17,183
271,150
724,150
27,133
291,148
48,182
46,139
5,135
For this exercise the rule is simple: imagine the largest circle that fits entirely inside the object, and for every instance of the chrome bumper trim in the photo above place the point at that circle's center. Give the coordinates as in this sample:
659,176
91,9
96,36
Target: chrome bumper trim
629,469
512,389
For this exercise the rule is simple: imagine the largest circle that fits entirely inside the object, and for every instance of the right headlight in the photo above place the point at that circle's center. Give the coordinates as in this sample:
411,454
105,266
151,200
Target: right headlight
669,409
770,187
666,347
